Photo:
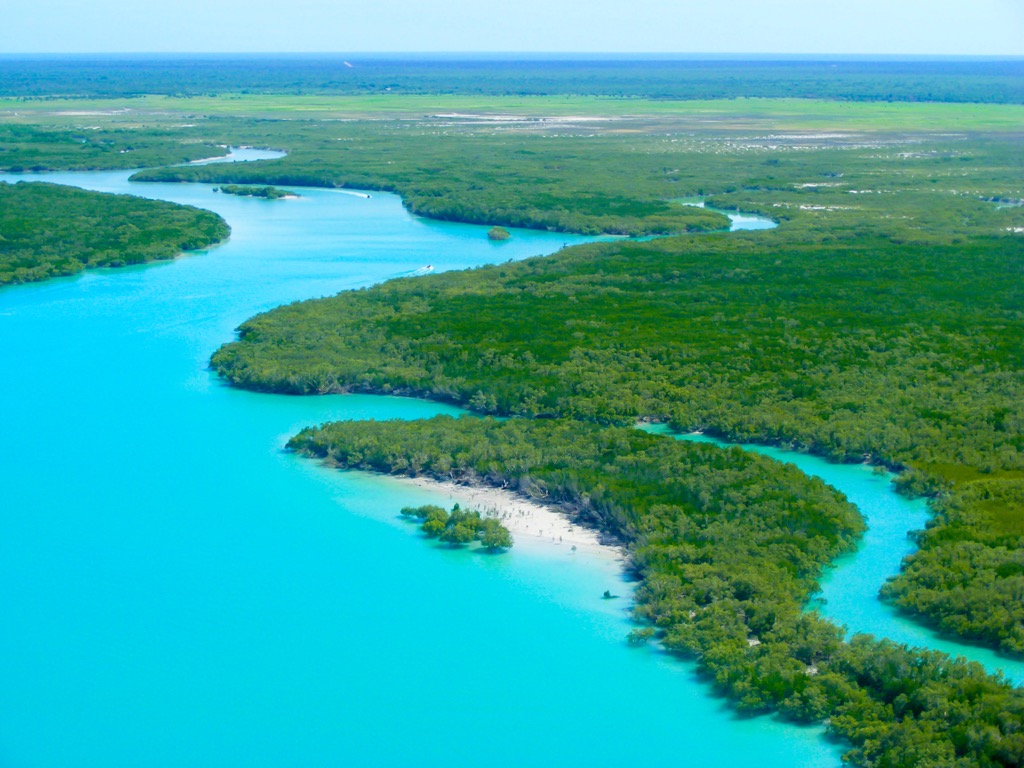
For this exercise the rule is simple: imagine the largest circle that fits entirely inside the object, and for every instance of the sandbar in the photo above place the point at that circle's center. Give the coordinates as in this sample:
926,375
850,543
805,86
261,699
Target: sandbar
531,523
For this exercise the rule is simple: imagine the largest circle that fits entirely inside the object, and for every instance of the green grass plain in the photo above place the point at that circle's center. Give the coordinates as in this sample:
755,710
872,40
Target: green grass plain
719,115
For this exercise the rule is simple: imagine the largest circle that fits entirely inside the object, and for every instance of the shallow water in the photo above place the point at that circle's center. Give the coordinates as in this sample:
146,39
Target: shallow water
176,590
739,221
849,590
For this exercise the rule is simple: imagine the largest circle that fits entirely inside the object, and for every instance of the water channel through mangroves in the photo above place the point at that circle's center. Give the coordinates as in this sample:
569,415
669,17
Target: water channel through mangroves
849,590
176,590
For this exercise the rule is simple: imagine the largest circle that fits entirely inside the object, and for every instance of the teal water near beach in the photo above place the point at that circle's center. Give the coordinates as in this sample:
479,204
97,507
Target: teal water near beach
177,591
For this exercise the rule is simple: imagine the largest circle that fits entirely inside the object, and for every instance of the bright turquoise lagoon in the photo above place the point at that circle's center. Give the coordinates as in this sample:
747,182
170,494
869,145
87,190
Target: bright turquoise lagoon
177,591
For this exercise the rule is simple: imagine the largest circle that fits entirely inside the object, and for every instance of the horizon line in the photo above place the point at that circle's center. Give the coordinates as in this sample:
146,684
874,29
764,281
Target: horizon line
534,55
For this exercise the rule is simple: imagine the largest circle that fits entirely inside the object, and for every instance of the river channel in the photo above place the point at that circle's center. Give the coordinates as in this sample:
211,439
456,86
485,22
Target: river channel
176,590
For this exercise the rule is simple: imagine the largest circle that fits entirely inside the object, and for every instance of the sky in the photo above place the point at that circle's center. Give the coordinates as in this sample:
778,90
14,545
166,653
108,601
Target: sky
923,27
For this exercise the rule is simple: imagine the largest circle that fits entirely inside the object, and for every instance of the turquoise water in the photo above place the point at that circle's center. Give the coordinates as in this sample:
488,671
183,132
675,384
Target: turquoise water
739,220
747,221
849,590
176,591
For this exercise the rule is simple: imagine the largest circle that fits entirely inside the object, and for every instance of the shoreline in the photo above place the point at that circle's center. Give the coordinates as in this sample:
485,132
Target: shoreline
532,524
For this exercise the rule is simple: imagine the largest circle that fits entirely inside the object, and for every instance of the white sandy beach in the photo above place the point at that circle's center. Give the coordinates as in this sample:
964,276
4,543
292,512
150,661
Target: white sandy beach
531,523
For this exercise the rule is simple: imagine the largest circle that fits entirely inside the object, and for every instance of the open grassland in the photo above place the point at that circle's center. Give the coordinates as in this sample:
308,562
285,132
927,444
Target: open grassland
740,114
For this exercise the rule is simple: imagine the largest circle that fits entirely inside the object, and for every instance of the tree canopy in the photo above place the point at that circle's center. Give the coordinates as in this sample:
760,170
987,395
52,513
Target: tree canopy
48,230
729,546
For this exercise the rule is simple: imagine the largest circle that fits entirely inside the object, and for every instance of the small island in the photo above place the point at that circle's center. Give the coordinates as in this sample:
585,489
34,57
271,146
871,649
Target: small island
244,190
461,527
498,233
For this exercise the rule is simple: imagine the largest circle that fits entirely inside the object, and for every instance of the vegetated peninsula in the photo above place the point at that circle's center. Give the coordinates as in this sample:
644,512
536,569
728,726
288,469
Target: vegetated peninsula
28,147
876,323
879,329
48,230
729,546
752,337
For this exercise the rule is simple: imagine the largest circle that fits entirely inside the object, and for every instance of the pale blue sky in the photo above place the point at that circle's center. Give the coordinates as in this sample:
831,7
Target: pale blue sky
943,27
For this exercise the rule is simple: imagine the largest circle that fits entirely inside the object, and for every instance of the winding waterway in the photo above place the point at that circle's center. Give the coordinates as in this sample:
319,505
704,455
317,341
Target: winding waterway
849,590
178,591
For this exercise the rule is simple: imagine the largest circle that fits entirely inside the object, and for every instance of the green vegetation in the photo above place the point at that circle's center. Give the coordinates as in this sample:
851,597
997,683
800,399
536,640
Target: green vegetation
960,81
522,181
729,546
880,321
746,337
877,321
48,230
623,177
498,233
641,636
461,527
270,193
610,182
755,337
26,147
968,578
210,116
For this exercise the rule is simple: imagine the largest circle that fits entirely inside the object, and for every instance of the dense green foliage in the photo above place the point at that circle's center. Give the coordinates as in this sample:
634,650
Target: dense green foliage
831,78
270,193
498,233
577,178
26,147
461,526
968,577
628,483
878,321
906,353
48,230
520,181
881,319
729,546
